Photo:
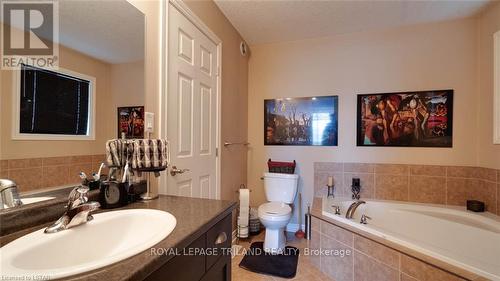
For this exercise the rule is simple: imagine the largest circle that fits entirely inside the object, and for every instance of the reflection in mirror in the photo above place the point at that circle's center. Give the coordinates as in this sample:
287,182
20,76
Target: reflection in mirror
496,94
55,122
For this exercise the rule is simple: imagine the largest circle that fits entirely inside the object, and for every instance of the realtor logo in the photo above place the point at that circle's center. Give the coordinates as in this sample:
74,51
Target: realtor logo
29,31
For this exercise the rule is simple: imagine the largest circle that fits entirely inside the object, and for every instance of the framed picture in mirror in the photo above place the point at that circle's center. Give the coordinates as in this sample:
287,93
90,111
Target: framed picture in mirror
131,122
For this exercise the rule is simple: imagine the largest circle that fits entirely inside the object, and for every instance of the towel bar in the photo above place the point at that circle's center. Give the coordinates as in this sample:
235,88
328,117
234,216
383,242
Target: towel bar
235,143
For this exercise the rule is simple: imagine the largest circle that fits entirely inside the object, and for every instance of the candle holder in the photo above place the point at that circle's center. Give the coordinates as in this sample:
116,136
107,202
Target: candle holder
331,189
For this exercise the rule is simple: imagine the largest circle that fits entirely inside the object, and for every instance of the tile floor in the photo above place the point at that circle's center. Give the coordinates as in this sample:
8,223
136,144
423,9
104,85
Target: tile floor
305,270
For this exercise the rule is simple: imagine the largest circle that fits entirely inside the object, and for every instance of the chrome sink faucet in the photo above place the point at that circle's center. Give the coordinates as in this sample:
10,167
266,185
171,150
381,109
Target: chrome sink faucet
9,196
77,211
352,209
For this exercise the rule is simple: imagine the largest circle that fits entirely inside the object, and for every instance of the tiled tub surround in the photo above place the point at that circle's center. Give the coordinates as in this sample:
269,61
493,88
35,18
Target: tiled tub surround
33,174
474,245
447,185
370,260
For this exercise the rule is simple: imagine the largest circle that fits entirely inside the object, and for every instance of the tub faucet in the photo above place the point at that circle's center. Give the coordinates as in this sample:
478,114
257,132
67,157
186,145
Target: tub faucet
352,209
336,209
364,219
77,211
8,194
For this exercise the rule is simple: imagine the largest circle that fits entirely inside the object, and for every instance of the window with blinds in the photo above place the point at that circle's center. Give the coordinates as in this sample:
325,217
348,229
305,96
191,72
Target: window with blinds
53,103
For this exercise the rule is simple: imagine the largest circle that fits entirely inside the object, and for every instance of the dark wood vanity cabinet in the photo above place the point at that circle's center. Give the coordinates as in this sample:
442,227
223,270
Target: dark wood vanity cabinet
208,258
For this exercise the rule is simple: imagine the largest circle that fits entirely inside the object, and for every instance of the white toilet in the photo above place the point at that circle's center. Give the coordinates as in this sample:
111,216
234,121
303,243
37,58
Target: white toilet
275,215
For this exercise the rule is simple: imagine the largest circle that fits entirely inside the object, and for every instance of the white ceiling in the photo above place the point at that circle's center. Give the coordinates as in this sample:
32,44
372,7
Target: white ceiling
112,31
269,21
109,30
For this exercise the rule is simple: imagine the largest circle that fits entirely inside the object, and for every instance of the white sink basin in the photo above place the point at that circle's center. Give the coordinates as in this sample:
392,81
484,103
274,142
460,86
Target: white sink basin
30,200
110,237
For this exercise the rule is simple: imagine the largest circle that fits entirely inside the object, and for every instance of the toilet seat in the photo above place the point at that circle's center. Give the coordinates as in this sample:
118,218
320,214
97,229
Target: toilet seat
274,210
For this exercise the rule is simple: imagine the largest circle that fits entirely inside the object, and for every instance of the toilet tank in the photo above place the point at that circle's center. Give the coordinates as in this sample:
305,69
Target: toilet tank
280,187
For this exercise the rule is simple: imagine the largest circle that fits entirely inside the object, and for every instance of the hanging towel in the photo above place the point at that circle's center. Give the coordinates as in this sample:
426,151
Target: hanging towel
150,154
118,151
144,155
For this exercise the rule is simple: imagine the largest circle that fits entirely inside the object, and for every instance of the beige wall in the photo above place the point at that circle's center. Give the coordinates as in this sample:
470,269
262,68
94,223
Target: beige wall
127,83
234,96
489,23
126,86
153,60
424,57
74,61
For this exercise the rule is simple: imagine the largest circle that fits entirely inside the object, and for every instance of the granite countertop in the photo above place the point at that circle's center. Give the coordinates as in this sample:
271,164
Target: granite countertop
194,217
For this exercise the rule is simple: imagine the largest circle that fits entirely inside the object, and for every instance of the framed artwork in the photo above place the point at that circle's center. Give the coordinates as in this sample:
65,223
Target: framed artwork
301,121
409,119
131,122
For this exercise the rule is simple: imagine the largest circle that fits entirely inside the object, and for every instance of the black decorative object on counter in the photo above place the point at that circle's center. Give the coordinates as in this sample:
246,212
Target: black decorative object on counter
115,194
94,184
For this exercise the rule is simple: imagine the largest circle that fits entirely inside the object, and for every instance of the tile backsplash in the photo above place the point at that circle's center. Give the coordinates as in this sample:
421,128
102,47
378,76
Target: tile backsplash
446,185
40,173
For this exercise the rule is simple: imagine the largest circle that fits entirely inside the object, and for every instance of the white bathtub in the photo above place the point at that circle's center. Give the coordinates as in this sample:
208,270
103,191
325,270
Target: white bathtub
464,239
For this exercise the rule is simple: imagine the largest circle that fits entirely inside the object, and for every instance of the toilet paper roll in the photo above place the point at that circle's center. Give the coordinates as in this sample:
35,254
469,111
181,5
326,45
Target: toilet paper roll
244,206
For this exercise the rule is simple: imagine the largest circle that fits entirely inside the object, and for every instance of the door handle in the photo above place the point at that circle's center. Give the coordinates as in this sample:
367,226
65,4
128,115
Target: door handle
174,171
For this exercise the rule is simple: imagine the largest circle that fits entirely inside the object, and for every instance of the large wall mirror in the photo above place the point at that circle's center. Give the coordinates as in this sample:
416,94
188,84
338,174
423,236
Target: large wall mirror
496,93
55,122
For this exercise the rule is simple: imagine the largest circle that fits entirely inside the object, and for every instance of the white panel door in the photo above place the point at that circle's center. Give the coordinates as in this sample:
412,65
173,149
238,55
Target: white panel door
191,109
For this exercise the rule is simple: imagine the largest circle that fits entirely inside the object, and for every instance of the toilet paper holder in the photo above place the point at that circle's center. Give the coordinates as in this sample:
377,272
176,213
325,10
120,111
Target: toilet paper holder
242,186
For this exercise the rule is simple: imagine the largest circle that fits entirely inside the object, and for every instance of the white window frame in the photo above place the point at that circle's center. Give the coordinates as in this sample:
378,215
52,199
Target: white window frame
496,88
16,102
